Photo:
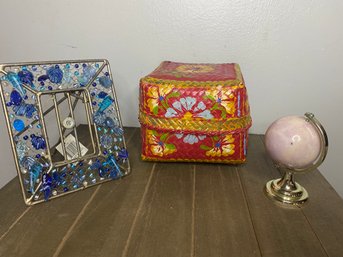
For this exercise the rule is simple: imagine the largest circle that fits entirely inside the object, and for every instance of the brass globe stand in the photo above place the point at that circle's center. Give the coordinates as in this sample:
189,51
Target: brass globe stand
285,190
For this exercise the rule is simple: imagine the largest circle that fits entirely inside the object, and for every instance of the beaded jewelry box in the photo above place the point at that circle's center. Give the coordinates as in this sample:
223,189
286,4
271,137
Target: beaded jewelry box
64,126
194,112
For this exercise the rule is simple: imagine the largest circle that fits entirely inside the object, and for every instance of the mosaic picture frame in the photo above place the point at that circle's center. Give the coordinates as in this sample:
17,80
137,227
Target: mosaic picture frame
64,126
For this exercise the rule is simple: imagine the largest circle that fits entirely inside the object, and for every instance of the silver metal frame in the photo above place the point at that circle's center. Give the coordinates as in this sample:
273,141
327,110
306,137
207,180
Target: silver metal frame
80,93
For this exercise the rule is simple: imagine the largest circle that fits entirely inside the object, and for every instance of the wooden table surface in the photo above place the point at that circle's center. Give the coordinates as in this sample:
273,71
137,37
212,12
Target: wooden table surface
176,210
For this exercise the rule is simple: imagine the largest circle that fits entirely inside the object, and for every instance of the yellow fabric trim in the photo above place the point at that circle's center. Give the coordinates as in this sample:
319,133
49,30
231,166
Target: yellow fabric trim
200,125
146,158
203,84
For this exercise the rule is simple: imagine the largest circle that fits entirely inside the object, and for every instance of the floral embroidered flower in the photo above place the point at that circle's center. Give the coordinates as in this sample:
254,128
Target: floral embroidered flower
188,108
156,95
223,98
158,145
190,138
222,147
195,68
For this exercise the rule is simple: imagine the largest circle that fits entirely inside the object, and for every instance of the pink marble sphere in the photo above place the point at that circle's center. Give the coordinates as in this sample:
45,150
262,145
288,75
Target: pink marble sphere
293,142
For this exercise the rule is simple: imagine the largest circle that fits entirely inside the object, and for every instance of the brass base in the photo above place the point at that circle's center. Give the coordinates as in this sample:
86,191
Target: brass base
286,190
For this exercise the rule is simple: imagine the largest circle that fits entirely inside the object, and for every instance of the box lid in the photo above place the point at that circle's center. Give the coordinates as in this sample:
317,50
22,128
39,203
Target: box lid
196,72
209,98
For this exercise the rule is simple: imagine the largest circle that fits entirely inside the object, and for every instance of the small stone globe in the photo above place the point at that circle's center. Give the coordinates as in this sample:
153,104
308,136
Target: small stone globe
293,142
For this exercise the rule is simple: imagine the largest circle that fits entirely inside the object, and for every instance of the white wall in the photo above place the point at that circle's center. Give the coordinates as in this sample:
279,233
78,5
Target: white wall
290,52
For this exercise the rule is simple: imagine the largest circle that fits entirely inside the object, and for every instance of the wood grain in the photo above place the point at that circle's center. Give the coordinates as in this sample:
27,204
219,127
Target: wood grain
222,220
104,229
324,211
280,231
41,230
12,205
176,209
164,224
